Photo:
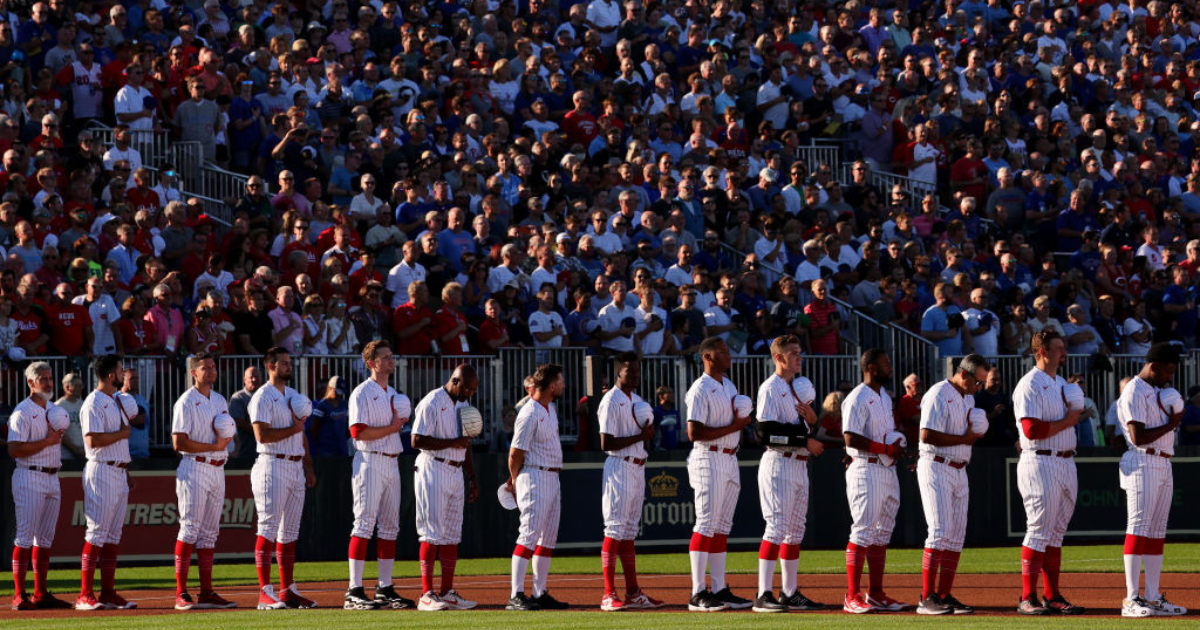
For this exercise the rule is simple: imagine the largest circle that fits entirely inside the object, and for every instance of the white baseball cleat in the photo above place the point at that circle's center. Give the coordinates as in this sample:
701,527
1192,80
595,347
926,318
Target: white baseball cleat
1136,607
457,602
1164,608
431,602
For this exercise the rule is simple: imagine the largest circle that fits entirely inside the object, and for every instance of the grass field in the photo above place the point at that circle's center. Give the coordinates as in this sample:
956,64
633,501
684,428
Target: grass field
324,619
1179,558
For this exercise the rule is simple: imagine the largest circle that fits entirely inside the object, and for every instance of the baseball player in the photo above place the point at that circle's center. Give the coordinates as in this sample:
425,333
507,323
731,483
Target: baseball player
534,461
33,442
199,480
1045,473
1149,427
279,477
375,425
872,488
623,437
438,485
105,485
715,430
785,422
945,451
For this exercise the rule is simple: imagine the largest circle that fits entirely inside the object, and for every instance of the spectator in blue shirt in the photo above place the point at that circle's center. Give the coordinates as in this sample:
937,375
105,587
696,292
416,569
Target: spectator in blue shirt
328,427
942,323
666,420
1189,428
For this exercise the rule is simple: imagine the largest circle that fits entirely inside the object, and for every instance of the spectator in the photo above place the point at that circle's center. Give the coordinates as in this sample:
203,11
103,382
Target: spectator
1137,330
72,403
256,328
908,407
287,327
69,325
105,317
943,324
667,436
829,428
412,322
239,409
824,321
328,427
340,335
982,324
139,430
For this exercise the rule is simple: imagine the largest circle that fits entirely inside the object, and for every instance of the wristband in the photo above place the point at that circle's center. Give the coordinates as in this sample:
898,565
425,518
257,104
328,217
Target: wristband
877,448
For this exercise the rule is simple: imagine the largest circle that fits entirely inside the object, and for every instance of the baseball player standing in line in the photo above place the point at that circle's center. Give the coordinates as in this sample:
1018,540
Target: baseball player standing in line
34,446
1146,476
785,422
199,480
375,425
105,485
715,430
534,461
872,488
1045,473
438,485
279,478
945,451
623,437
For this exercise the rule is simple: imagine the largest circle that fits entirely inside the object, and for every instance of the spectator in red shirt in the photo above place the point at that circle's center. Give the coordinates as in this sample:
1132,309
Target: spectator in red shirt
364,272
137,334
969,174
908,408
50,137
493,334
30,318
69,325
823,324
579,123
141,196
300,232
449,324
48,274
413,322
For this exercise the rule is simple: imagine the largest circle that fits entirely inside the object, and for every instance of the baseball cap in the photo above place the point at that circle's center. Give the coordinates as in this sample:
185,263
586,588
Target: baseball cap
563,238
338,383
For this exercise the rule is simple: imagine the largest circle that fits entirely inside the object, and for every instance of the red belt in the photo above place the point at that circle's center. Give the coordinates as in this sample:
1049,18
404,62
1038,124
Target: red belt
450,462
210,461
791,454
290,458
43,469
718,449
637,461
392,455
545,468
1149,451
950,462
1063,454
117,464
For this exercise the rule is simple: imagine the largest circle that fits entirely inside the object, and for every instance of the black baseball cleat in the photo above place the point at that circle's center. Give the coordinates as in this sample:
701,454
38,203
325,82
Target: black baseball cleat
704,601
766,603
731,600
520,601
546,602
356,599
1060,605
956,606
386,597
797,601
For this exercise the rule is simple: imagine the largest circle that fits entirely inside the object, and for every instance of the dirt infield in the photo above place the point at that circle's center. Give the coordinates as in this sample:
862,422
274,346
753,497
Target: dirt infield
997,595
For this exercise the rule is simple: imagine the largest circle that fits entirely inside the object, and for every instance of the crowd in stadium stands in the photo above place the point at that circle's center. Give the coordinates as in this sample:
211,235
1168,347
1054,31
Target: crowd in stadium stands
464,176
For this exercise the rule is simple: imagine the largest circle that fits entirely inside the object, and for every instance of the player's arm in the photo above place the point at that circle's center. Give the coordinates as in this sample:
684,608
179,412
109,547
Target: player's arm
360,430
1038,429
516,461
310,475
96,439
772,433
863,443
29,449
469,470
1141,436
429,443
183,443
609,442
265,433
937,438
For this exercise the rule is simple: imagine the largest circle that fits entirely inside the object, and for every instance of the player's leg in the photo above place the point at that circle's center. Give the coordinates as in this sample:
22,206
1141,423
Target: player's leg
928,478
388,520
956,512
635,480
267,505
45,524
1063,507
210,529
548,534
1132,480
94,512
118,484
887,494
289,530
365,494
702,477
612,492
28,504
190,500
775,500
863,513
1033,488
452,521
532,515
789,552
729,478
1160,494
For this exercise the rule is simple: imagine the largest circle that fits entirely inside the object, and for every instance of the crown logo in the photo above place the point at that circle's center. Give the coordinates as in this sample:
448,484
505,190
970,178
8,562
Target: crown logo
664,486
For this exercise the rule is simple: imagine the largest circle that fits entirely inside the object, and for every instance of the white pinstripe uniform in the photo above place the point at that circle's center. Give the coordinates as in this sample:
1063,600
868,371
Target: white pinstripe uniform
539,495
1048,484
872,489
1147,479
277,477
438,483
200,487
624,484
783,472
105,483
376,466
37,495
944,490
713,473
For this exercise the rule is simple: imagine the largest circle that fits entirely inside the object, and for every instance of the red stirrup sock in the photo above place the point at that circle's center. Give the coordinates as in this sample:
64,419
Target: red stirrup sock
1050,570
855,557
949,569
1031,567
183,562
931,560
428,555
20,560
262,561
448,557
629,565
205,566
608,563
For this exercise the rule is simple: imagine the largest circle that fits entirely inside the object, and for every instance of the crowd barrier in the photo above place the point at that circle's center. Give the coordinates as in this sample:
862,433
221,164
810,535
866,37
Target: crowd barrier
995,513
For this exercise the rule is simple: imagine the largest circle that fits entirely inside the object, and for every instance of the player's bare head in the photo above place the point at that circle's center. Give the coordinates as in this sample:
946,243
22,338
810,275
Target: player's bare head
372,350
548,377
107,368
39,376
1048,344
785,351
463,382
973,368
715,353
203,367
278,362
876,363
629,370
1161,361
